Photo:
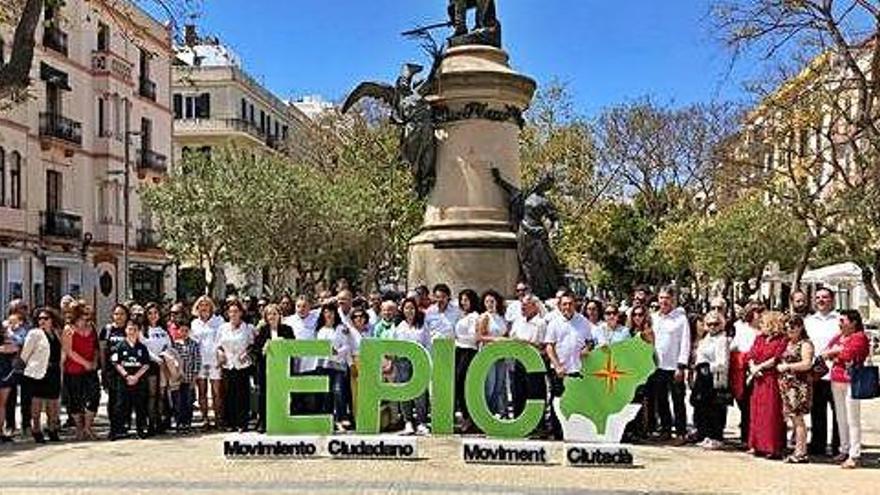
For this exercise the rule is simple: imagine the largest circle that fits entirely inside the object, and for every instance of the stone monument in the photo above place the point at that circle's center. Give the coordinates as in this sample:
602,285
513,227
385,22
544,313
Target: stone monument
476,101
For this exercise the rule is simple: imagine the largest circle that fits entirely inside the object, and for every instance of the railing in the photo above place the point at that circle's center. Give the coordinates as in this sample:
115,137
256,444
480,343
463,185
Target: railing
57,126
245,126
147,89
151,160
57,224
147,238
55,39
273,142
105,62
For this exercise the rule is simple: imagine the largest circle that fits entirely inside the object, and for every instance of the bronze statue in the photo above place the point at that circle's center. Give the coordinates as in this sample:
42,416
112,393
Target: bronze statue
530,214
413,114
487,29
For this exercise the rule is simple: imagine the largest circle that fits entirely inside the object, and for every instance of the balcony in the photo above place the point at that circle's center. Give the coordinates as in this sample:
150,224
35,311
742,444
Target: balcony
107,63
150,160
273,142
147,239
57,224
56,126
147,89
55,39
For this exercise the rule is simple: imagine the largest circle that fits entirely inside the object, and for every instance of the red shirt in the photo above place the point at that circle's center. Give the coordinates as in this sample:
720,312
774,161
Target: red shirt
84,345
855,351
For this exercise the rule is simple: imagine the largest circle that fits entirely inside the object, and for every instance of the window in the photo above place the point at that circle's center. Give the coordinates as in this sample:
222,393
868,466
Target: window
202,106
277,129
53,99
284,131
103,37
146,134
103,110
262,121
117,117
178,106
244,108
53,191
2,177
144,64
251,108
2,52
15,180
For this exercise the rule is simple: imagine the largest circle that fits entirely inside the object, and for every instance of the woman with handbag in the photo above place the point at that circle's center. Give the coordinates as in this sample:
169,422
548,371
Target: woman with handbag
709,394
847,350
796,384
766,425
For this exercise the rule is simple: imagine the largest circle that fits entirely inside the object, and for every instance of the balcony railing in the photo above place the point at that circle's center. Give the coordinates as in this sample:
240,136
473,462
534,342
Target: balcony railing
59,127
245,126
147,89
57,224
55,39
147,238
105,62
151,160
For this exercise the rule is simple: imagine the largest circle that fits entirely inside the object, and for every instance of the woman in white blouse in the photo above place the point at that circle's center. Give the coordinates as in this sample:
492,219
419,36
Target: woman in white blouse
412,329
204,329
709,396
465,350
492,327
234,355
156,341
330,327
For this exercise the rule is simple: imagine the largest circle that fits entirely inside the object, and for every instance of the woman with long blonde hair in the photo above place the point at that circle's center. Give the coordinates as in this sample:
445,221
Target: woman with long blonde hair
766,424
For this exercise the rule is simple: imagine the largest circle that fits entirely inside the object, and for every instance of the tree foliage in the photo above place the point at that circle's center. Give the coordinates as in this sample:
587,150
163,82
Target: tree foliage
295,221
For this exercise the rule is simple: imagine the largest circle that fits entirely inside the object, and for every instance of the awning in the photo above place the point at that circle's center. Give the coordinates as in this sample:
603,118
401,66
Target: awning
834,274
54,76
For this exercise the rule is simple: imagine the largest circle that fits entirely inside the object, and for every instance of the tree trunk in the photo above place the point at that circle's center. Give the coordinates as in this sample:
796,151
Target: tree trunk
869,278
802,263
15,75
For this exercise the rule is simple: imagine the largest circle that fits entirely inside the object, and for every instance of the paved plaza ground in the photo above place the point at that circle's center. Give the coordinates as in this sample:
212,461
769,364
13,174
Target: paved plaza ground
174,465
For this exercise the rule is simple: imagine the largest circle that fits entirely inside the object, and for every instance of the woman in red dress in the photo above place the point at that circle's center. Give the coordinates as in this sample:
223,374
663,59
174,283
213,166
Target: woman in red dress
766,424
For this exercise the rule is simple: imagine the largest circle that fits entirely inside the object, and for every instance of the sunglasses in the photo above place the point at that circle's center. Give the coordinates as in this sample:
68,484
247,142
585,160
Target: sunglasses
714,324
611,313
638,313
43,318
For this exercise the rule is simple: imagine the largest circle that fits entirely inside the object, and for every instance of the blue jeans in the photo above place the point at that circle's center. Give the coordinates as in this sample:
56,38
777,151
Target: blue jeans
496,388
183,405
335,402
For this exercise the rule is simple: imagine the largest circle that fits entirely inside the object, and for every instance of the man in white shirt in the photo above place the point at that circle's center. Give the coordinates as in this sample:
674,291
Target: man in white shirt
821,327
303,322
673,347
513,309
567,342
530,329
441,317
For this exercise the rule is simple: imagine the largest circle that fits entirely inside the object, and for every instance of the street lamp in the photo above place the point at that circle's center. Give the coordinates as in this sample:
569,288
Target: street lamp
126,220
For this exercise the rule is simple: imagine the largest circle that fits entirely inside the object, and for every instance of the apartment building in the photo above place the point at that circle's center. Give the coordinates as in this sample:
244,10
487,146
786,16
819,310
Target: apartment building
100,93
217,103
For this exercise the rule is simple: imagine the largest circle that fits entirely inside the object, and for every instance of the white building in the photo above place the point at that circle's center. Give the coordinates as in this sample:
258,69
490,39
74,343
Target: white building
99,68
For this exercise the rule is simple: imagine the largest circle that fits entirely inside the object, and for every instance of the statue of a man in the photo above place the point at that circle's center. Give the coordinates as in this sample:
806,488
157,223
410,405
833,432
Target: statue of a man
486,19
534,216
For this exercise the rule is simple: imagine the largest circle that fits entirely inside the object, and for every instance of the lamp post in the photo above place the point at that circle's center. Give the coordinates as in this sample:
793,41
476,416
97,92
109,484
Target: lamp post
126,213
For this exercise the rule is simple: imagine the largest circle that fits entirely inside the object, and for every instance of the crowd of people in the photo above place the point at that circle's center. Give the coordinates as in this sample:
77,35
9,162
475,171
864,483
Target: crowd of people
157,366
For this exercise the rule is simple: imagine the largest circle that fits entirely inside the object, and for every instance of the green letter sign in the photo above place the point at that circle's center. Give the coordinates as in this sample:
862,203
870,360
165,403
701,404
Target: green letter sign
280,384
475,390
372,390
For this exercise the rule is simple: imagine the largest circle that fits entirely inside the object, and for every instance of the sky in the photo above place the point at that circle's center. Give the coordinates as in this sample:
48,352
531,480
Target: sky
606,51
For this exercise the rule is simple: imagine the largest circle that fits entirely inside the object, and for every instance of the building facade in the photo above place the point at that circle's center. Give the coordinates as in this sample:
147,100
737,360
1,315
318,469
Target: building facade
100,77
217,103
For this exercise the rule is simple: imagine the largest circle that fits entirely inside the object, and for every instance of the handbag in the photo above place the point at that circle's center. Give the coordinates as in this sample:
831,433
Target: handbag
864,382
819,369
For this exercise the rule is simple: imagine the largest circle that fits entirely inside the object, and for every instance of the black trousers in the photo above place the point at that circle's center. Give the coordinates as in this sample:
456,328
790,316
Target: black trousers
525,386
463,358
710,418
744,405
128,399
557,388
18,391
822,400
237,397
664,385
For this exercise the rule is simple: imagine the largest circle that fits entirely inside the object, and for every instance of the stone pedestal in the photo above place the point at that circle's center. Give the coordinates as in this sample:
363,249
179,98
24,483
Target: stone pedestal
466,240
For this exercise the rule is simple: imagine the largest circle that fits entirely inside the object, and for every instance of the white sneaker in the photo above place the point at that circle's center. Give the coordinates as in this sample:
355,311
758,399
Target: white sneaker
422,430
408,429
712,444
705,443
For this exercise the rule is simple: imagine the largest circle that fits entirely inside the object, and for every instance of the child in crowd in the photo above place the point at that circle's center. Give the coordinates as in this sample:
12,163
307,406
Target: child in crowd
190,361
